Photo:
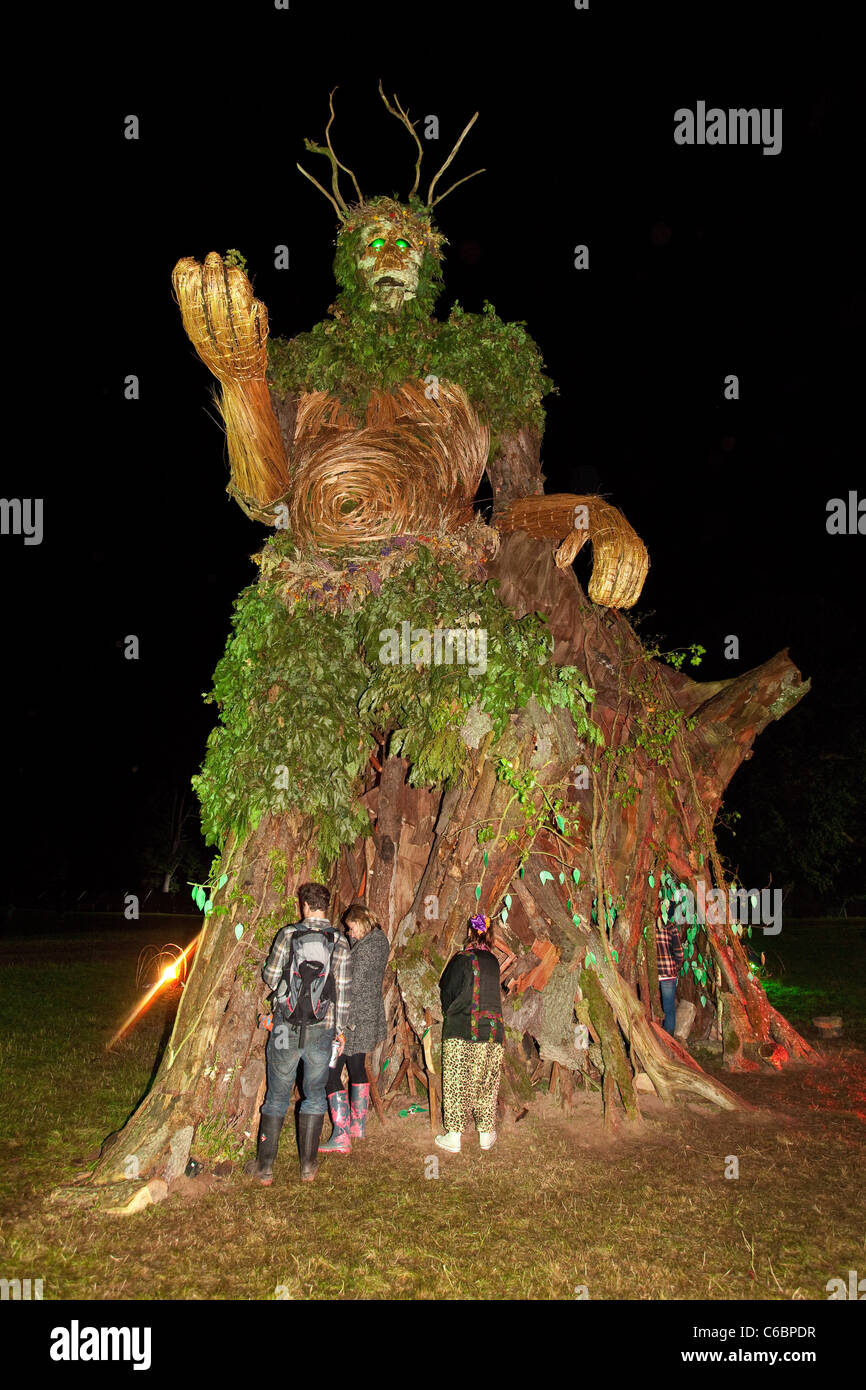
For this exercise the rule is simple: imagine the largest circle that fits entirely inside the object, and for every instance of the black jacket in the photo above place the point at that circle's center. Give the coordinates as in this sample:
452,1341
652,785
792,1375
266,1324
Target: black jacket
472,998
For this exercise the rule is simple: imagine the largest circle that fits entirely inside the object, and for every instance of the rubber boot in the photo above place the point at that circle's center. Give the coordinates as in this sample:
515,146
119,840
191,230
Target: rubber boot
339,1142
262,1166
309,1134
360,1105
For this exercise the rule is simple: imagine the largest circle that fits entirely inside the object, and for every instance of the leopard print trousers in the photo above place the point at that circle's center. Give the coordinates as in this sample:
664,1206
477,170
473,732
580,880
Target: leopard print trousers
470,1083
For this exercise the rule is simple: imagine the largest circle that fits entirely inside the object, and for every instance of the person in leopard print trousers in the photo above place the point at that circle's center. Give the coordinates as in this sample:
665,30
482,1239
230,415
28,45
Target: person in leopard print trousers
473,1038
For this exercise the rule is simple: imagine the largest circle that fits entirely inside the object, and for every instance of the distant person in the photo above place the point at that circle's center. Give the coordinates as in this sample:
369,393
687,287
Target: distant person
669,958
365,1028
309,969
473,1038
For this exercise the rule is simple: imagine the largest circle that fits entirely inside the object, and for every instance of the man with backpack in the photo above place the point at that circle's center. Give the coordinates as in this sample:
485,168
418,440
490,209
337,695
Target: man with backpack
309,971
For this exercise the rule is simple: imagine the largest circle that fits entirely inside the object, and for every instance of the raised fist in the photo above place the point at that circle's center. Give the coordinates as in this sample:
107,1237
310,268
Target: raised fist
227,326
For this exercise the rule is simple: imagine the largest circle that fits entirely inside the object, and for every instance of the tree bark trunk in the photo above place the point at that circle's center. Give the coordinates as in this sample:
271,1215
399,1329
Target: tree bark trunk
571,952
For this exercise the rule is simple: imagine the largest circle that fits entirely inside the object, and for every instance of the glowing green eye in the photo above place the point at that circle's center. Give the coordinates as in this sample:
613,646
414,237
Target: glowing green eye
402,245
377,243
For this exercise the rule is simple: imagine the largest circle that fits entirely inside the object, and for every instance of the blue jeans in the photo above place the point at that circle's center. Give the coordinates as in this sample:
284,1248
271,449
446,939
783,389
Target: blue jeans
669,1003
283,1054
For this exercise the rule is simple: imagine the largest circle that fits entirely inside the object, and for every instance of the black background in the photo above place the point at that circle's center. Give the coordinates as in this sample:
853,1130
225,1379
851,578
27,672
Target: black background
703,262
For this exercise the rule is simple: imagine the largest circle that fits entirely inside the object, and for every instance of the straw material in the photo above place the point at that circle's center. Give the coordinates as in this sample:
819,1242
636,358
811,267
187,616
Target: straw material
228,328
415,465
620,559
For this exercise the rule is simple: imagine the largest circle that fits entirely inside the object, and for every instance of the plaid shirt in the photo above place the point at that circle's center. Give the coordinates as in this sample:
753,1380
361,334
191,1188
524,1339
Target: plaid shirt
669,951
341,969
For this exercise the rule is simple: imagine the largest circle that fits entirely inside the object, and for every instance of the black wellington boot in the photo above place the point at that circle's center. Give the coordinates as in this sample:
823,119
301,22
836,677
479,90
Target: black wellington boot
309,1134
262,1166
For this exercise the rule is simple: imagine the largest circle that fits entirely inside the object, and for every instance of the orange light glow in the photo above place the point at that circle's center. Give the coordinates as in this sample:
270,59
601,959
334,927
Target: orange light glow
170,973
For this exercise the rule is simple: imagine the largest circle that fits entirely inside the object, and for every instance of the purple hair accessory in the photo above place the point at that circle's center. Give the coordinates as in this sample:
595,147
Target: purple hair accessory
480,923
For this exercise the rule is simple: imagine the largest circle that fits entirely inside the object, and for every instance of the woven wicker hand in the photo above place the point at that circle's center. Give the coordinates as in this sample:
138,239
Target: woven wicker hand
227,325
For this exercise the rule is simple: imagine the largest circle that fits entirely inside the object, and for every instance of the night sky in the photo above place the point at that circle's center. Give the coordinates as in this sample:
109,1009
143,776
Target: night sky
703,262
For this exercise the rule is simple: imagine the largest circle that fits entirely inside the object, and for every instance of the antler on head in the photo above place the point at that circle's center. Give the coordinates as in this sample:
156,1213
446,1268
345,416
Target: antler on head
431,201
403,116
337,201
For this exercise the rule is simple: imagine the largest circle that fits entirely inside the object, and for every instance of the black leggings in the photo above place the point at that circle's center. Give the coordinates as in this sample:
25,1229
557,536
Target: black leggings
357,1073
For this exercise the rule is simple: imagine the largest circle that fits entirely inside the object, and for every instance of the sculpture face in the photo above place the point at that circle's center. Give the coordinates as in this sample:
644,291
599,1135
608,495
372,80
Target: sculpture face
389,263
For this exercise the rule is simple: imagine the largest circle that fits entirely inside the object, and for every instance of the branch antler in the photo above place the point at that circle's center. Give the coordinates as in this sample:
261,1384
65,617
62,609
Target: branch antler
403,117
337,201
431,201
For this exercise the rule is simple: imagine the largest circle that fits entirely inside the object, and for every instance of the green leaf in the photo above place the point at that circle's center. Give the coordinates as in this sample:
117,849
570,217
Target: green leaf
703,1000
575,874
239,930
575,919
224,878
562,878
560,821
615,953
507,899
651,881
478,892
485,859
546,876
208,907
590,956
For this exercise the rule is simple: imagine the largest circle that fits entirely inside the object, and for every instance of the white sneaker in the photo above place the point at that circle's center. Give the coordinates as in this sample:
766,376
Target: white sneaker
487,1138
449,1141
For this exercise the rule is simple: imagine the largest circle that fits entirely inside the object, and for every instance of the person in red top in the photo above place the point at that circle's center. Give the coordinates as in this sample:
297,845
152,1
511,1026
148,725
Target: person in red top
669,957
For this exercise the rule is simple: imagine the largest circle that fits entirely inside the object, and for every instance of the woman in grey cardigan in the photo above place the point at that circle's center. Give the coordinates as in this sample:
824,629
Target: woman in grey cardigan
364,1030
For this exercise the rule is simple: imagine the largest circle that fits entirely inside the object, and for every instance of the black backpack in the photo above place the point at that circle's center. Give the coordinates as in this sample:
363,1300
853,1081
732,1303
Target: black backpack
308,975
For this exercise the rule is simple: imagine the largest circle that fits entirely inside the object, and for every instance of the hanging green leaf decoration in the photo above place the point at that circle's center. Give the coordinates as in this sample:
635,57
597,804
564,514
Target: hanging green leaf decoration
560,821
485,859
546,876
562,878
224,878
615,953
590,956
200,899
749,933
703,1000
700,859
575,874
239,930
478,892
504,914
507,899
208,907
652,882
522,868
575,919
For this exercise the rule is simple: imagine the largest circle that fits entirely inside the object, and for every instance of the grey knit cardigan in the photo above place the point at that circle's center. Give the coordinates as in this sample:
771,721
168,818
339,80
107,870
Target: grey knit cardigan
366,1025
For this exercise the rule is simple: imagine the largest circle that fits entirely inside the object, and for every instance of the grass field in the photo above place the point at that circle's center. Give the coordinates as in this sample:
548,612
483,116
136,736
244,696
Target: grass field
556,1207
